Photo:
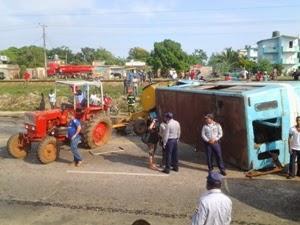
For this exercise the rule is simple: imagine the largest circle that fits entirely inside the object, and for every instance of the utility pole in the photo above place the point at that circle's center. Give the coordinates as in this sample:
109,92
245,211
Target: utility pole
44,46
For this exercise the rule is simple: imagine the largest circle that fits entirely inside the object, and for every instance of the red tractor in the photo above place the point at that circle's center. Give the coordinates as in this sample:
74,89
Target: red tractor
49,127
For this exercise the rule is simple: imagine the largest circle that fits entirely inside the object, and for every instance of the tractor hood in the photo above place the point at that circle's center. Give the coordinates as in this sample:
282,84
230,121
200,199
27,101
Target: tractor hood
32,117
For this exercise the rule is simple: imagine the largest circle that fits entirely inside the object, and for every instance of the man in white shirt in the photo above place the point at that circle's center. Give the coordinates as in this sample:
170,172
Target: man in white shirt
171,137
214,207
211,134
294,147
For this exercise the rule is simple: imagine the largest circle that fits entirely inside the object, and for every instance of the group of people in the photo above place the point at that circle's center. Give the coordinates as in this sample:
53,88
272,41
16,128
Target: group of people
167,134
214,207
132,81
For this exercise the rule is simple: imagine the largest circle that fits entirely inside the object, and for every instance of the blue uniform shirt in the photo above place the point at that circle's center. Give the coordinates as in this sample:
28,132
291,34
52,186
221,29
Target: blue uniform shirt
72,127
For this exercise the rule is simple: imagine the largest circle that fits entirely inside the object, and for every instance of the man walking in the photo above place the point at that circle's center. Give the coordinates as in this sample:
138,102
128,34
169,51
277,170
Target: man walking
214,207
170,139
294,147
74,129
211,134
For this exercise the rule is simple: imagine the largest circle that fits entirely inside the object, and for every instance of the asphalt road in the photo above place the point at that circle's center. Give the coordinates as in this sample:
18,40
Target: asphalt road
114,186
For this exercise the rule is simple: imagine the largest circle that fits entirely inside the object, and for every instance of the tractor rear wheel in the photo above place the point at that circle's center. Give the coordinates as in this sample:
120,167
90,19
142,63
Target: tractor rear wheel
47,151
98,131
16,147
139,126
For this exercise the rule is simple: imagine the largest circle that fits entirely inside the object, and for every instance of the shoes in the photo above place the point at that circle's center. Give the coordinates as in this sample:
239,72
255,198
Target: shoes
290,177
176,169
166,171
78,164
223,173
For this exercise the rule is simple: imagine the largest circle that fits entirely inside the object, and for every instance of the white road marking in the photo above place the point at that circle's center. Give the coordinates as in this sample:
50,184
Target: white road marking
117,173
101,153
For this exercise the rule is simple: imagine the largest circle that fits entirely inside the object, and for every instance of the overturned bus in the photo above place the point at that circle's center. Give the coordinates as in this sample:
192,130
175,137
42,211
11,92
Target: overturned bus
255,117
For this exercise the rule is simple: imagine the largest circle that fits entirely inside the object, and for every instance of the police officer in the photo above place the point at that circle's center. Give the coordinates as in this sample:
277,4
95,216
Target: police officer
171,137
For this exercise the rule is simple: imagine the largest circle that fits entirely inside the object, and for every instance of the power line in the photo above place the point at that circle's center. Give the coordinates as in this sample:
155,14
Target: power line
176,23
111,12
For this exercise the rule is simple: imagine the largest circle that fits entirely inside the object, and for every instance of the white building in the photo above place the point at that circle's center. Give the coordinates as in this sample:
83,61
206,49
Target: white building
251,52
280,49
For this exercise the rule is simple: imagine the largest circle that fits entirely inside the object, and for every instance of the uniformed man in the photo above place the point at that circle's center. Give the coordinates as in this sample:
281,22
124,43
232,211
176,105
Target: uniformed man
170,140
211,134
214,207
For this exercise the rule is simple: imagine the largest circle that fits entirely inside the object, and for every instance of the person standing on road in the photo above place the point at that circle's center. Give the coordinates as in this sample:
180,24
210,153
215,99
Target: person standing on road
162,128
52,99
214,207
211,134
294,148
170,140
74,129
152,141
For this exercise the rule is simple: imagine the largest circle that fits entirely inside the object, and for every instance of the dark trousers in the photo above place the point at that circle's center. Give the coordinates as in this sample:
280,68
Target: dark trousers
214,150
295,155
171,154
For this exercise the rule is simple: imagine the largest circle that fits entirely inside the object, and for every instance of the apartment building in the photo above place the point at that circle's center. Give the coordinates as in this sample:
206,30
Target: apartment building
280,49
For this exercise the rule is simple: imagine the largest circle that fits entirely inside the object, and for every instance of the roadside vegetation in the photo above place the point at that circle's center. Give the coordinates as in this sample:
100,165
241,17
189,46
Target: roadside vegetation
18,96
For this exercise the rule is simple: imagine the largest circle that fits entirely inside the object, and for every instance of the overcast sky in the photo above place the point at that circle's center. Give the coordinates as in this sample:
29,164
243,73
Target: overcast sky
118,25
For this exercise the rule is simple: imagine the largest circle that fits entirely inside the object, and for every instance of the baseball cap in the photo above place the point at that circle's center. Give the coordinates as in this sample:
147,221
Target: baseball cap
209,116
214,178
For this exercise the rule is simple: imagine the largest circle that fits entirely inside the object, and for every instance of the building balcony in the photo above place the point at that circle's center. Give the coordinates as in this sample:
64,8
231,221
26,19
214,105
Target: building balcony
286,49
290,61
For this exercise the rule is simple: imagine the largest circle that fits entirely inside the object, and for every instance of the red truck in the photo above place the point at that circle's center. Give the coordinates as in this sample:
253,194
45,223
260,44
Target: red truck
68,71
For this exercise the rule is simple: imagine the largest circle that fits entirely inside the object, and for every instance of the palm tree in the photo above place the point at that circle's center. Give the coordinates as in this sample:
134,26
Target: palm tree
226,61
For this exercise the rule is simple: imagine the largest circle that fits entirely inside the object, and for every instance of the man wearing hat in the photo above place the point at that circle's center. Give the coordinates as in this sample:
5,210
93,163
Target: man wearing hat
214,207
171,136
211,134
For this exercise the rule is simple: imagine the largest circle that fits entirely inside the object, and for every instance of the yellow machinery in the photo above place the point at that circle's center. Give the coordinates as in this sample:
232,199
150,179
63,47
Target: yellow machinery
147,100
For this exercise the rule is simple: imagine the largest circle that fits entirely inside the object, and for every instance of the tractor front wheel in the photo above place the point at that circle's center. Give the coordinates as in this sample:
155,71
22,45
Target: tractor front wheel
97,131
47,151
16,147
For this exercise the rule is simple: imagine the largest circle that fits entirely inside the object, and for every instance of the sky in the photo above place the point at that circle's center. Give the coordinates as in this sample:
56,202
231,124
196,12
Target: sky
119,25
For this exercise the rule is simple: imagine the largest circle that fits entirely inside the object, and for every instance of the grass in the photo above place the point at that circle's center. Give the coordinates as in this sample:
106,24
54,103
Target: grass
17,96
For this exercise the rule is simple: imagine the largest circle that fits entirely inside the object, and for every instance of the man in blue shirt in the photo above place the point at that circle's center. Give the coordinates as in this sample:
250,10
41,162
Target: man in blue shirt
74,129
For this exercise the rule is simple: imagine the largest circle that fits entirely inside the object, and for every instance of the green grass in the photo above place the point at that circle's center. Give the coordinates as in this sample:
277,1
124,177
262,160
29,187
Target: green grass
17,96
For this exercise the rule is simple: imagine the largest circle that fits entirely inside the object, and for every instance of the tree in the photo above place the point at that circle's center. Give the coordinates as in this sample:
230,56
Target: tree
248,64
89,54
12,53
168,54
226,61
138,53
264,65
108,57
62,52
279,68
198,57
31,56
